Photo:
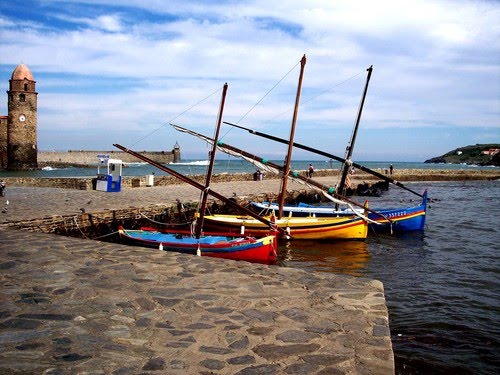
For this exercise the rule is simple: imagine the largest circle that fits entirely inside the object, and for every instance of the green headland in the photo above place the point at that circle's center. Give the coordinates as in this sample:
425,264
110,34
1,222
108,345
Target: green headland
479,154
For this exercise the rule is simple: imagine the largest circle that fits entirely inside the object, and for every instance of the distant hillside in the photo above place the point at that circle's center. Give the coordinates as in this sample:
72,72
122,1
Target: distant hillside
485,154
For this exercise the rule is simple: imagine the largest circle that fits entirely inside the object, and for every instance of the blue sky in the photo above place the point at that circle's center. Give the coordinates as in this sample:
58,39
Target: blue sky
109,73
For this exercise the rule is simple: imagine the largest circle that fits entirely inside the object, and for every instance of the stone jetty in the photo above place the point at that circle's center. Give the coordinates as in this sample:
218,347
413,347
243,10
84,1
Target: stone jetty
77,306
327,177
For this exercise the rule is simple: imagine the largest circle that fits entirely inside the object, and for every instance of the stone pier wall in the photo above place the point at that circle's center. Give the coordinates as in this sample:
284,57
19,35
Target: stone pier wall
85,183
360,177
77,157
80,223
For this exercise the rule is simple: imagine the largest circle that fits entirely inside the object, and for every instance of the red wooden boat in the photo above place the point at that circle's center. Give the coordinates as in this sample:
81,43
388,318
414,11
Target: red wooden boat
262,250
251,249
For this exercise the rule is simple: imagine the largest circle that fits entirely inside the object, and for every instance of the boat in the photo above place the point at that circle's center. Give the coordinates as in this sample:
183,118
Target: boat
297,228
269,166
397,219
250,249
331,228
235,247
300,228
383,219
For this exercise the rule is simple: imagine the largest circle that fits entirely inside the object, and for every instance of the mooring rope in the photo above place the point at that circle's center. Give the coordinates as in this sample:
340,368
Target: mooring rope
106,235
78,227
159,222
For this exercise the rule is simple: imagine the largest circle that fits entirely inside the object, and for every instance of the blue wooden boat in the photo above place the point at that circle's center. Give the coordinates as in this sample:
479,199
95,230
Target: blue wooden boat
250,249
401,219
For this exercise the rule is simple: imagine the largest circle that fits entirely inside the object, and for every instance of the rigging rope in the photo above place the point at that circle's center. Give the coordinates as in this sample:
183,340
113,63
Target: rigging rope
304,102
261,99
251,109
349,145
267,93
180,114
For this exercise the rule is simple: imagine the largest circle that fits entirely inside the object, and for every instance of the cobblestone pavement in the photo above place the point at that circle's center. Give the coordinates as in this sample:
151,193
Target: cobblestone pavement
75,306
35,202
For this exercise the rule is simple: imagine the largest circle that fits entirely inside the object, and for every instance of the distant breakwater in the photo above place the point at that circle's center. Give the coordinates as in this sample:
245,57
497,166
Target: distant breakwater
326,176
90,158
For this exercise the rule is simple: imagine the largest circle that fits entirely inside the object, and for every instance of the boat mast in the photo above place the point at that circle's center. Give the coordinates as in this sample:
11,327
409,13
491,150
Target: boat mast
326,154
197,185
286,168
347,164
201,217
231,150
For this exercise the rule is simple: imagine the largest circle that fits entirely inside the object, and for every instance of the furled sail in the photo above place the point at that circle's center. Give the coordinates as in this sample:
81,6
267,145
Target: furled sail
260,163
263,164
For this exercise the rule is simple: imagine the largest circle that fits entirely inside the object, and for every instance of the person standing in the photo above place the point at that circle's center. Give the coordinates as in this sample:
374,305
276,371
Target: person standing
391,168
311,170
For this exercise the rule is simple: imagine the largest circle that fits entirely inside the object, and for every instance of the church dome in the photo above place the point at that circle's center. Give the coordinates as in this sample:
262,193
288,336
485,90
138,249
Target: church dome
22,72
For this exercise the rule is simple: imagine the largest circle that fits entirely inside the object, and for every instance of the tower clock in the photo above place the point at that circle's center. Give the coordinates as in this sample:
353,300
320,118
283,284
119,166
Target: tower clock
22,120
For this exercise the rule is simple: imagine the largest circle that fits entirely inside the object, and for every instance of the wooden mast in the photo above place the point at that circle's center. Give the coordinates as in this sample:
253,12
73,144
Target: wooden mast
286,168
197,185
326,154
347,164
201,216
244,154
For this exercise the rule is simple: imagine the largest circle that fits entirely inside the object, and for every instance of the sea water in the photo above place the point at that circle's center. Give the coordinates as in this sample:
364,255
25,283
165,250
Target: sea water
230,165
442,286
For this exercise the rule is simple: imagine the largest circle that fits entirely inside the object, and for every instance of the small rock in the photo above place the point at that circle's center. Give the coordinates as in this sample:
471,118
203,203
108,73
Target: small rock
153,364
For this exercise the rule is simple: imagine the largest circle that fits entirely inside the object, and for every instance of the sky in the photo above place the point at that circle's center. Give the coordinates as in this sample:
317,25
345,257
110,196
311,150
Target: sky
119,72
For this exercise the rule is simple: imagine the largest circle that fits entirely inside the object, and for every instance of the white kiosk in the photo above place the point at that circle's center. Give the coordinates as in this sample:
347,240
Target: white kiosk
112,181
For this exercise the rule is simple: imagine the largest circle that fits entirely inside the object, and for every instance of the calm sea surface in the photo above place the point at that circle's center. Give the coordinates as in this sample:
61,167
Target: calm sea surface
231,165
442,286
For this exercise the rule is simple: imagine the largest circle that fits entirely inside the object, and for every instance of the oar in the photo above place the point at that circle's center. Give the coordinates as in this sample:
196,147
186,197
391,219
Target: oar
198,186
326,154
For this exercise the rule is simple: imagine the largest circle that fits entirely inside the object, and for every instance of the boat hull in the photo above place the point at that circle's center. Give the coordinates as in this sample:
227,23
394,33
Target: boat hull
258,250
402,219
309,228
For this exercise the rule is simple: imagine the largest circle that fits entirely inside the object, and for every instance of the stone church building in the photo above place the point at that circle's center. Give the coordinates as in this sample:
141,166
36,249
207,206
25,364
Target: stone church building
18,130
18,133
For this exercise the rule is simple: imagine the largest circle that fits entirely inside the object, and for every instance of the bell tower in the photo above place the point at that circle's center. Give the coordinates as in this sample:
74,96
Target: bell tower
22,120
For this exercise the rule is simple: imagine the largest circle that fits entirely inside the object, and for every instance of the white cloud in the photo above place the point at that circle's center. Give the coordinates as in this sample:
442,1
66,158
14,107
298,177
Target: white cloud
4,22
108,23
435,62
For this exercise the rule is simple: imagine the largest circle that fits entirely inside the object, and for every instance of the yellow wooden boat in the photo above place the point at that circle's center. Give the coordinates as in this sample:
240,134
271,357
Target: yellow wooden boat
299,228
